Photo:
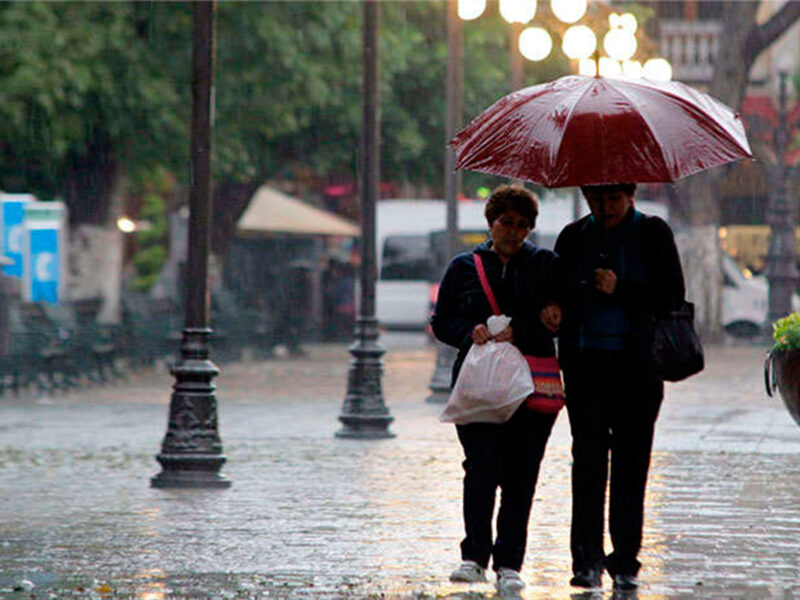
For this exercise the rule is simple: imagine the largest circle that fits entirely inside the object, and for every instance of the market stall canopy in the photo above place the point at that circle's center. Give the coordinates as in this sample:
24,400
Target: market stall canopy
271,211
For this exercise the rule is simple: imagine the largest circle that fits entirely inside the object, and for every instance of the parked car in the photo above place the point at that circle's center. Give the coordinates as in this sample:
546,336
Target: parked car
745,300
410,265
410,261
407,263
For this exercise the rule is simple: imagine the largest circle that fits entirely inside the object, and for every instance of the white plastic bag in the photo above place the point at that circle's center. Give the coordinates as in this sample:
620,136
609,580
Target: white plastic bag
494,380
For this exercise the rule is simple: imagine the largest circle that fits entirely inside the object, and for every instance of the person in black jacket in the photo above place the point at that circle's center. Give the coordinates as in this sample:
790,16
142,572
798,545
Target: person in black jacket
617,268
508,454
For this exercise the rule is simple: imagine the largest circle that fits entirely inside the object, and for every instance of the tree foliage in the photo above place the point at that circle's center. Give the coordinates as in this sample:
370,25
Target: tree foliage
88,90
80,94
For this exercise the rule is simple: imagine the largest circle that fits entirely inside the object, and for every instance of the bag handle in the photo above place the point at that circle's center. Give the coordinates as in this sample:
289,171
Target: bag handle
487,289
769,369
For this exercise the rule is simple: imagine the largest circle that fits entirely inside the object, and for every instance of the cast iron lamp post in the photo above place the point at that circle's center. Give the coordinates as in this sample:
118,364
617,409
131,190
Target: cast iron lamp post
781,268
445,355
364,414
191,453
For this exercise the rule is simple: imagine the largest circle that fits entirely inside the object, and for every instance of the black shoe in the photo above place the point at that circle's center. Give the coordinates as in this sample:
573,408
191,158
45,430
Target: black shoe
587,578
625,582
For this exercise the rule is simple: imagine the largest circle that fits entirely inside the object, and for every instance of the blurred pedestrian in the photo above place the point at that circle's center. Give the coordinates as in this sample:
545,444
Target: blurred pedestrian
617,268
505,455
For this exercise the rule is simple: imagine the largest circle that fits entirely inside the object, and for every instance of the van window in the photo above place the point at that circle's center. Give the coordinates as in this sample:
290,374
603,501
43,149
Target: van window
406,257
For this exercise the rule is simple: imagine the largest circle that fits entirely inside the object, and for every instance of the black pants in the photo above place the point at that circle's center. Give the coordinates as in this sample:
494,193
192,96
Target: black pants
505,455
612,407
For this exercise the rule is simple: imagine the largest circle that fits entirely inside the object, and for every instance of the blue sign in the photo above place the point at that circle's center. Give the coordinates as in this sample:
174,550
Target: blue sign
13,233
45,265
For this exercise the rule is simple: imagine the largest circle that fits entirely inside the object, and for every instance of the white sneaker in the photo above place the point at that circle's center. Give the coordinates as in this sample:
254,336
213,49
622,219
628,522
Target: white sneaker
468,572
509,581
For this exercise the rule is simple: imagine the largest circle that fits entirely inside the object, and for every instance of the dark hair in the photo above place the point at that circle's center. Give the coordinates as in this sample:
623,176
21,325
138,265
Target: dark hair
512,197
628,188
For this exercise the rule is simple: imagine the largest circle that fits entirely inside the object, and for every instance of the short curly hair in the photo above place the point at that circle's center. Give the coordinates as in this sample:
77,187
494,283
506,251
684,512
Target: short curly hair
512,197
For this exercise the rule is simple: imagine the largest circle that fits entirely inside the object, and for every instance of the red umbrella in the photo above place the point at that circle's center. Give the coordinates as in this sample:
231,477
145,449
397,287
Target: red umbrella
581,130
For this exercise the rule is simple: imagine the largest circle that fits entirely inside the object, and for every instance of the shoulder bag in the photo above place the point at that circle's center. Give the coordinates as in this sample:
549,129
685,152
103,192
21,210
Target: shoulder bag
548,391
675,351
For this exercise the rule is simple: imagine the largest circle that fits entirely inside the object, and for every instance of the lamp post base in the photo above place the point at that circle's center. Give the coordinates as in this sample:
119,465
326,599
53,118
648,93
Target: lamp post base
438,396
365,427
364,414
181,471
191,453
440,380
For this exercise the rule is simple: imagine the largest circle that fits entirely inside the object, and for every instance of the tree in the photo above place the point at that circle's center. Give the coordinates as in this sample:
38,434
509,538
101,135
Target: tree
82,103
742,43
94,97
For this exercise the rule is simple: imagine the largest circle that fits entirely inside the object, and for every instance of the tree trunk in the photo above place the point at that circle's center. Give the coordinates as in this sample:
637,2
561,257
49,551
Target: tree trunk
96,255
739,47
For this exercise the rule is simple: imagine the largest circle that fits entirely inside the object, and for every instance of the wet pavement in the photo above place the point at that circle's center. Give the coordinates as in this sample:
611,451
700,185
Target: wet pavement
313,516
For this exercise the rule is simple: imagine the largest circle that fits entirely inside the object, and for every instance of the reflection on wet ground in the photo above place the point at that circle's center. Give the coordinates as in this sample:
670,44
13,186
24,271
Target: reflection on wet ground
312,516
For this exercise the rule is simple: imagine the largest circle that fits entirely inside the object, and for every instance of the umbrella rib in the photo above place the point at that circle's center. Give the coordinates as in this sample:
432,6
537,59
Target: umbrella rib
557,150
647,122
695,110
690,108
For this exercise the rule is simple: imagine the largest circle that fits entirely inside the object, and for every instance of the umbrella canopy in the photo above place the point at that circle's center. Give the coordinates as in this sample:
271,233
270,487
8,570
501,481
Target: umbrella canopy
580,130
271,211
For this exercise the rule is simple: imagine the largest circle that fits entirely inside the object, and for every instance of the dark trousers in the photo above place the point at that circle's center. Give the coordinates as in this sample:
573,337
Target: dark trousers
612,407
505,455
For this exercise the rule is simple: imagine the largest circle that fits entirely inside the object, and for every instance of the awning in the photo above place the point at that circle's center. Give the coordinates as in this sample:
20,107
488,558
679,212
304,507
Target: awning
271,211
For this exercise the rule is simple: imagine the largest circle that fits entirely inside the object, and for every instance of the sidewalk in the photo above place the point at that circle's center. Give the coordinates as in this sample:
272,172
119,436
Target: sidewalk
312,516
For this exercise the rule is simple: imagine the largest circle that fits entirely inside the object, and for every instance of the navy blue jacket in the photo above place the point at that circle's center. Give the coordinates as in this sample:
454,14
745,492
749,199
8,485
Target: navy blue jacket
642,252
522,287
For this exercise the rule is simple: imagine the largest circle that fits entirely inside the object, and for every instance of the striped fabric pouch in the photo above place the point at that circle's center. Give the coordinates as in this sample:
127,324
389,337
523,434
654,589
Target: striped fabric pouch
548,391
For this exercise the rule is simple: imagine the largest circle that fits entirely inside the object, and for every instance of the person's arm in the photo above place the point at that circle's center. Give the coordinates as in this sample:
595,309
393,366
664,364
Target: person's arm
564,290
535,322
448,325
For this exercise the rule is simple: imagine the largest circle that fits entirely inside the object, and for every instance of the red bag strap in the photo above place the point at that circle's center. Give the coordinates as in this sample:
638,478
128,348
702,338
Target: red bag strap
487,289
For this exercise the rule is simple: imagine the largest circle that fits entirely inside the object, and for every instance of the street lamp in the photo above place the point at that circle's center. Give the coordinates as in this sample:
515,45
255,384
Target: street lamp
579,42
439,385
191,453
535,43
364,413
568,11
657,69
781,267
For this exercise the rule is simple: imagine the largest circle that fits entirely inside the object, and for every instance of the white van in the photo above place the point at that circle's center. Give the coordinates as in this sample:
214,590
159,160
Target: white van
745,300
404,252
408,272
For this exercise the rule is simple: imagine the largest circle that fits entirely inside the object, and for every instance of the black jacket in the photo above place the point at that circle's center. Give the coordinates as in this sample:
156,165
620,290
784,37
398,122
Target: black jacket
522,287
651,284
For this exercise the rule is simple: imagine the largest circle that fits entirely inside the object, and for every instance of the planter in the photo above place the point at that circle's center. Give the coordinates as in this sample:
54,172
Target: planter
785,377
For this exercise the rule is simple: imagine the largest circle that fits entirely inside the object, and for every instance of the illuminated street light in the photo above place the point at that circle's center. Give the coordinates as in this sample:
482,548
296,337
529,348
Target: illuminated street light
518,11
627,21
568,11
632,69
619,44
610,67
579,42
470,9
535,43
587,66
657,69
126,225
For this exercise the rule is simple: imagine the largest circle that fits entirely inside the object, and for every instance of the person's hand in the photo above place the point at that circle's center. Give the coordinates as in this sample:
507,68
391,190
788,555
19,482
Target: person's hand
481,335
551,316
605,280
507,335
